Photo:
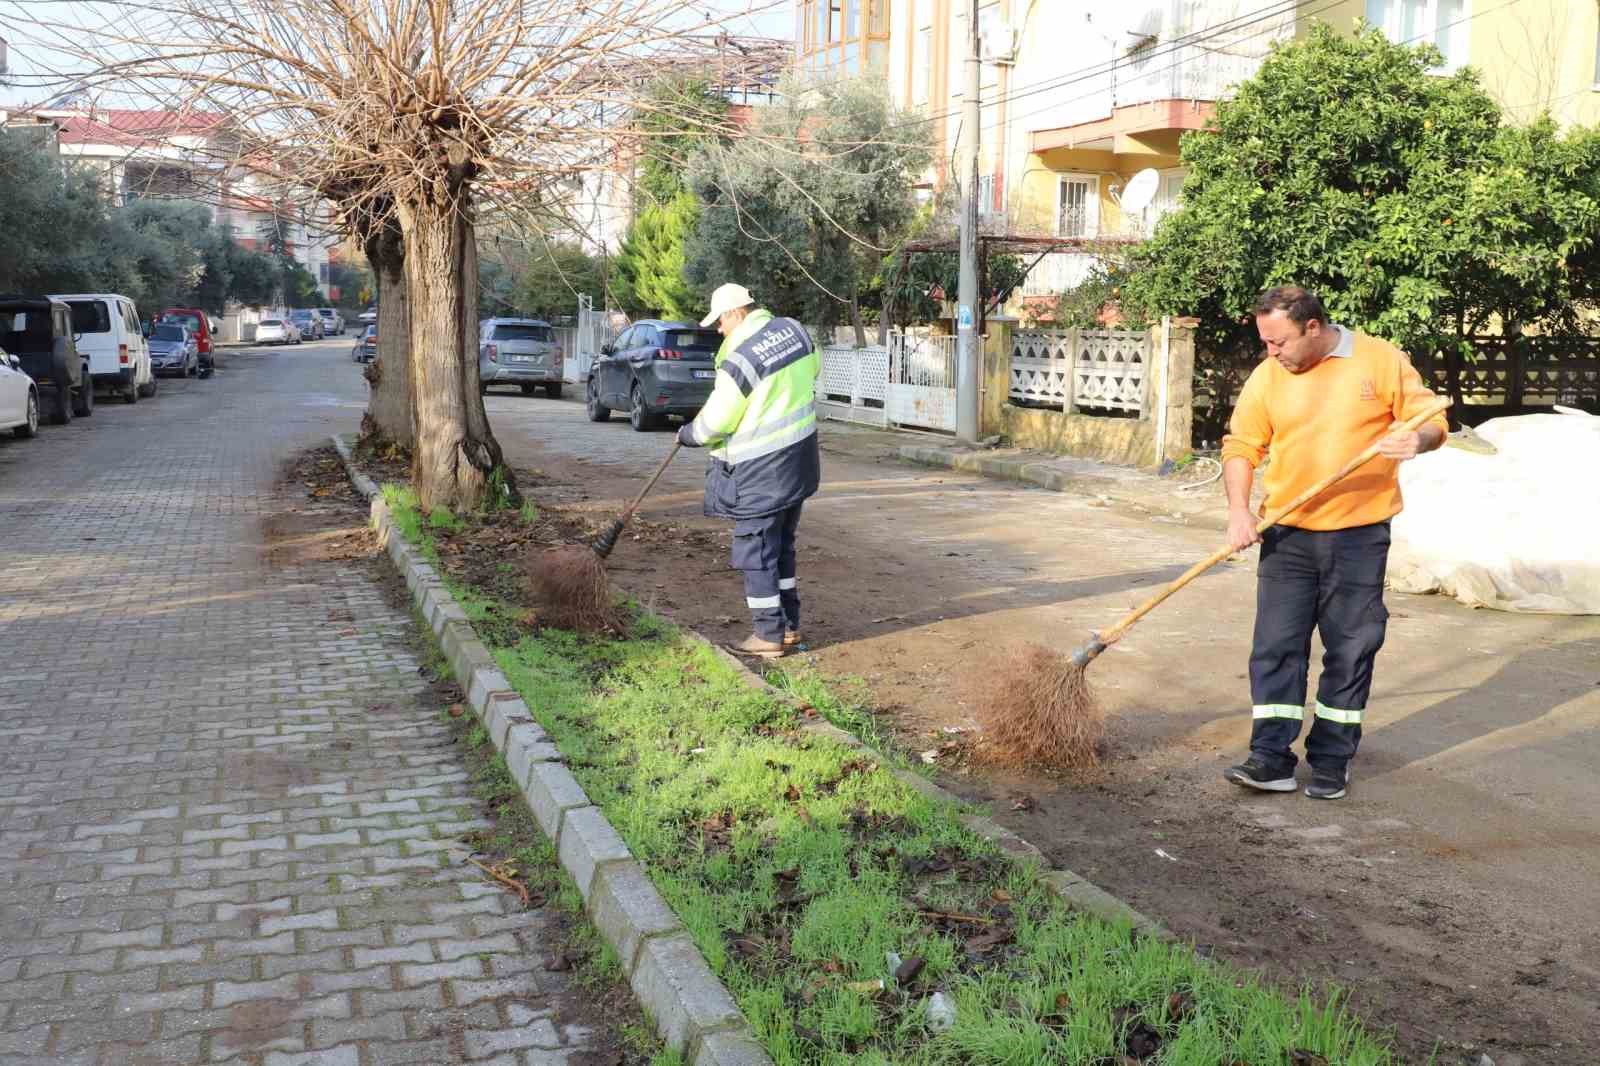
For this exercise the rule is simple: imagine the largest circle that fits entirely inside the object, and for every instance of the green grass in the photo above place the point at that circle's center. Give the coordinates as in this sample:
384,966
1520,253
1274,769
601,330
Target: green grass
799,866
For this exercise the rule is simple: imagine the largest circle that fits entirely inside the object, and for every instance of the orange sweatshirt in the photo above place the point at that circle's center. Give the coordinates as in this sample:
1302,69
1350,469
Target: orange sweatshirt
1313,423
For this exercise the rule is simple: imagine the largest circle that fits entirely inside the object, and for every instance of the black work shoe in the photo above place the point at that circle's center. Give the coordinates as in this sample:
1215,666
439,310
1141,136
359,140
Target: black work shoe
1254,773
1327,784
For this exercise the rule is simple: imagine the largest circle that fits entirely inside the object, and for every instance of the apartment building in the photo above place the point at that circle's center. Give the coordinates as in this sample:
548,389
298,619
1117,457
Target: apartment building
1079,95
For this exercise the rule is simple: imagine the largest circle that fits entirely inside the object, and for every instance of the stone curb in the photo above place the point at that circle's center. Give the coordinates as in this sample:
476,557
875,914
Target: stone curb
1043,476
691,1009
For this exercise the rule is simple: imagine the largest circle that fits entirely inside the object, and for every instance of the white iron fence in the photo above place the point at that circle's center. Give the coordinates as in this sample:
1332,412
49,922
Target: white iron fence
581,343
1098,371
922,381
909,382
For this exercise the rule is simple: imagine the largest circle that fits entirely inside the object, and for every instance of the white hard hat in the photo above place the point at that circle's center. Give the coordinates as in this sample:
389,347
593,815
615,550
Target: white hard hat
729,297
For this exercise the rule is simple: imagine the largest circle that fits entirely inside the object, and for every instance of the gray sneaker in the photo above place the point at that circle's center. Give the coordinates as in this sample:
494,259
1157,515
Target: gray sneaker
1255,773
1328,784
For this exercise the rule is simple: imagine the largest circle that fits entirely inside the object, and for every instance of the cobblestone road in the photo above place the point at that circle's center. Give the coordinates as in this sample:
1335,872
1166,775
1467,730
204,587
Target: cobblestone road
226,816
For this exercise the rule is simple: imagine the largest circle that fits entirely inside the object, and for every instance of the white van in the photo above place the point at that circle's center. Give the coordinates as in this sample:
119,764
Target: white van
107,331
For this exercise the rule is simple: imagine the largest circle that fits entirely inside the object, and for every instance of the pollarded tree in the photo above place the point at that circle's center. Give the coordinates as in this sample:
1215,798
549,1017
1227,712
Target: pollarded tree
419,109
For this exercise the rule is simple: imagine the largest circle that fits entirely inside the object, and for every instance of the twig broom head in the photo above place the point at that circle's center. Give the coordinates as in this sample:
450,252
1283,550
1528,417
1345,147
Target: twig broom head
1039,713
572,590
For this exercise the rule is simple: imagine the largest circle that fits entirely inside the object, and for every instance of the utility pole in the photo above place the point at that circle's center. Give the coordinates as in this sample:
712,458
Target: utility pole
969,361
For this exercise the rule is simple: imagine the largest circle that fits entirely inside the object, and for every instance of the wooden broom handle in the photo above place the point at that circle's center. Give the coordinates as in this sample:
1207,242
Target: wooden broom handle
1114,634
648,485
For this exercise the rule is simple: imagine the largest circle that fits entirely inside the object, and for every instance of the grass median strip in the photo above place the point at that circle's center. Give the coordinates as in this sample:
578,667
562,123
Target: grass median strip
853,919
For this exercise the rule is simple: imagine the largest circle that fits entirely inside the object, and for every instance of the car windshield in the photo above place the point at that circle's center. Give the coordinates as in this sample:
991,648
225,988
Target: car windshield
90,316
272,322
168,333
700,339
192,322
300,316
521,331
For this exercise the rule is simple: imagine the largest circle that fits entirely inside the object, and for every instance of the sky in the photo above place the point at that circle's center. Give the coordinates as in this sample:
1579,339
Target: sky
37,70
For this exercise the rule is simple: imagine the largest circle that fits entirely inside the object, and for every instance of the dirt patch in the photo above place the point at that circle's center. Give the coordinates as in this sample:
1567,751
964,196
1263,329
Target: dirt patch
1433,955
319,517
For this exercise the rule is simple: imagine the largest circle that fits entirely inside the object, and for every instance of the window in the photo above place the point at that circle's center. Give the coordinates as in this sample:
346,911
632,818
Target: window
1442,22
522,331
922,66
90,316
699,339
1078,206
991,195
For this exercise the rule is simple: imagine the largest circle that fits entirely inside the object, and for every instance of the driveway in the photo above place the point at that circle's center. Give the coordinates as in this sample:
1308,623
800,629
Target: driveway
1454,891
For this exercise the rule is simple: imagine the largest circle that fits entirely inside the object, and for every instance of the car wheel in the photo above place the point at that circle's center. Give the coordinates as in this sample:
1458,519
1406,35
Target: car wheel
598,412
527,390
148,389
553,390
83,399
131,393
640,418
61,414
30,428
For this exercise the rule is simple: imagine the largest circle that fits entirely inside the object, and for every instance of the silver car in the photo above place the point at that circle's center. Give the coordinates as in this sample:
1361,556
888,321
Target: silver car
521,352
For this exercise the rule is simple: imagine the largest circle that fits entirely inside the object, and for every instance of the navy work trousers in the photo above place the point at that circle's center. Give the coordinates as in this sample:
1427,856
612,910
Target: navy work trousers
1331,581
764,549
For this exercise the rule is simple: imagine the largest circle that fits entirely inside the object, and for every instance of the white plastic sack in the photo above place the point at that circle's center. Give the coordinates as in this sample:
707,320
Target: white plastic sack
1518,530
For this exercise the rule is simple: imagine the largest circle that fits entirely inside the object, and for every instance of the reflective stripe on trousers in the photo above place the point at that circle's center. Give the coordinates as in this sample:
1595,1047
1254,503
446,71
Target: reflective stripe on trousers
764,549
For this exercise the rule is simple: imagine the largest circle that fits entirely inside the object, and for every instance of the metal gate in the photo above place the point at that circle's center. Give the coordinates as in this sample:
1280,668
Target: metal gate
922,381
593,330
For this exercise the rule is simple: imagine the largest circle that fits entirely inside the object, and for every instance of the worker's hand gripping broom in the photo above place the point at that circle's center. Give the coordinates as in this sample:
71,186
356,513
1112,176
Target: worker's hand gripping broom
1041,711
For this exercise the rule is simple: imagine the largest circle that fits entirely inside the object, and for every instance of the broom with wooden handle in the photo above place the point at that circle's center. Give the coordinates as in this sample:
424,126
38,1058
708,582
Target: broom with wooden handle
570,583
1049,716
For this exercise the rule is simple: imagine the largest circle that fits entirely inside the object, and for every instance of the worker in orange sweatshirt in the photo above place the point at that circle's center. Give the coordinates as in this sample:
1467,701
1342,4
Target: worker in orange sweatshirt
1323,394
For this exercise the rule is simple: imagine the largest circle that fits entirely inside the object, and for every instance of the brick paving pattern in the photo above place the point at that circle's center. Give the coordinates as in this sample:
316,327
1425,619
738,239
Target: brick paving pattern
229,822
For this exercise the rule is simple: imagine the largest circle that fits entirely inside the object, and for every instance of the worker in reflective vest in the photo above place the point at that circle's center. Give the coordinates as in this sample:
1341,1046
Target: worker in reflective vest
761,426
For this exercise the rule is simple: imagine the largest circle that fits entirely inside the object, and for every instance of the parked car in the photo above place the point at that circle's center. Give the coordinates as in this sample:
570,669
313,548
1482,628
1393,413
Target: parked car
202,329
308,322
652,370
366,346
173,350
369,316
276,331
519,351
332,322
38,330
19,397
108,332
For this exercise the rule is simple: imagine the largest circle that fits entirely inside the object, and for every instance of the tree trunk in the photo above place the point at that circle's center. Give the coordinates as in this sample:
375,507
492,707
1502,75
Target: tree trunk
388,422
855,320
457,463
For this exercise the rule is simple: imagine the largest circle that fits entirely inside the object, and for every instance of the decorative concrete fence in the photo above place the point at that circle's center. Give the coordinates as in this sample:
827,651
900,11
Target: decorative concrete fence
1124,396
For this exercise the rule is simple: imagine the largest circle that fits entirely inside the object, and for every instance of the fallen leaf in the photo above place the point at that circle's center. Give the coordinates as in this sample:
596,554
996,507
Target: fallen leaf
1000,895
1063,1001
791,794
1302,1057
908,970
457,710
1023,803
869,988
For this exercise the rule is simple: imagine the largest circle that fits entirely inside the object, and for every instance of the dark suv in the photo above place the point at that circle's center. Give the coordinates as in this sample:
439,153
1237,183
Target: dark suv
652,370
38,331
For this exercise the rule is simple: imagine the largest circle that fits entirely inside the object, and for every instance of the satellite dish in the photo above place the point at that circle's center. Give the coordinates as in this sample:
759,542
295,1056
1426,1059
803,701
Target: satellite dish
1140,191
